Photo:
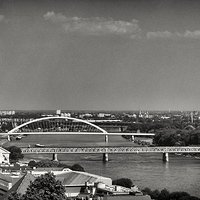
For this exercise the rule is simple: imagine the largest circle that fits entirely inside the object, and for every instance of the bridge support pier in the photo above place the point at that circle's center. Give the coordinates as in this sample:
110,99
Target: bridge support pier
132,138
8,137
105,155
165,157
55,157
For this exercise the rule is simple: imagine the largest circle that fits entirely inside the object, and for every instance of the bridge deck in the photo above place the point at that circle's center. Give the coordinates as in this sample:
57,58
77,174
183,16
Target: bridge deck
111,150
78,133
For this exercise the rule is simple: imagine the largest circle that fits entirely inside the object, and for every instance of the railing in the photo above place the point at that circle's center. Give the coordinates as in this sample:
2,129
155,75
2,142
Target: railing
111,150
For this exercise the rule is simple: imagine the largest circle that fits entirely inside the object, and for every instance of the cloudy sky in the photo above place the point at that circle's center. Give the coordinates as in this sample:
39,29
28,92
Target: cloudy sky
100,54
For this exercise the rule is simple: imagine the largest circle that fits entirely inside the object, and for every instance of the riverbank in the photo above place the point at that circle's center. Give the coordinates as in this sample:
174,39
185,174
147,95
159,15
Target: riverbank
189,155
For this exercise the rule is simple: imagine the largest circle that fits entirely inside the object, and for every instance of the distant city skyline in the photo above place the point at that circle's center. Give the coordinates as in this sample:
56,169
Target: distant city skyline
100,55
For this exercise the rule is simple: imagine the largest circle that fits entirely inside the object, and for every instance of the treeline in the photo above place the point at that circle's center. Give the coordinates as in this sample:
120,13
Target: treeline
152,126
168,133
49,163
176,137
166,195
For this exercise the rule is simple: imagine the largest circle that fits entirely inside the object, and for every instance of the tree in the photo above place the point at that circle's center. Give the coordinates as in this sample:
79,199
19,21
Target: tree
47,163
125,182
155,194
178,195
32,163
146,191
77,167
15,196
45,187
164,195
15,153
50,163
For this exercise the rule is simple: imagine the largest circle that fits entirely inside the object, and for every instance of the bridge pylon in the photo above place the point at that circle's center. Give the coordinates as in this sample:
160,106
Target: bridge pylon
105,155
55,157
165,157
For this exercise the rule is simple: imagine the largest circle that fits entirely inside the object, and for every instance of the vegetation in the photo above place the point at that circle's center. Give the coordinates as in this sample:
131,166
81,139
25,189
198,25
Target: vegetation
176,137
44,187
77,167
15,154
49,163
168,132
125,182
166,195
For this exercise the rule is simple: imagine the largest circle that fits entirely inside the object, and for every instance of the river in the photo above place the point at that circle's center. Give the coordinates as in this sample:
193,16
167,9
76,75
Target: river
145,170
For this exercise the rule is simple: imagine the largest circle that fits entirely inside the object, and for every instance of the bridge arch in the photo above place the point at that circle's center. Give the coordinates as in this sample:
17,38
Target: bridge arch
14,130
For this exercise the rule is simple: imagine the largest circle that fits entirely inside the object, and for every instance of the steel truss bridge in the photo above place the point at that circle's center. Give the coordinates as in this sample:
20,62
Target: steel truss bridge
114,149
110,150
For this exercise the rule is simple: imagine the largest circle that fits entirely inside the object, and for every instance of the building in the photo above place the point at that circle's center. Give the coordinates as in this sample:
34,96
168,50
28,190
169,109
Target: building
76,183
4,156
20,186
127,197
6,182
101,115
58,112
7,112
73,181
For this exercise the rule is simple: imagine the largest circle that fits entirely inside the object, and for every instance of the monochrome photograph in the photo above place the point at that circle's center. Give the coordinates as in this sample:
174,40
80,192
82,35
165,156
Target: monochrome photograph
99,100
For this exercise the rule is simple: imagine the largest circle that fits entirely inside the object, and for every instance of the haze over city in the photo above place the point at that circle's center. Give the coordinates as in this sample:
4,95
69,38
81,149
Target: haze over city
100,55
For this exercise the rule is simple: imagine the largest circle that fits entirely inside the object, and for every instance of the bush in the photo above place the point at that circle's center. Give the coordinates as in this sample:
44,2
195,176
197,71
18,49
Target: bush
77,167
32,163
146,191
188,198
155,194
125,182
164,195
50,163
178,195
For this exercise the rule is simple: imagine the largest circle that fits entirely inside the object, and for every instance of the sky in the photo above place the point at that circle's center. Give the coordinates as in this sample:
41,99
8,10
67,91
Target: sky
100,54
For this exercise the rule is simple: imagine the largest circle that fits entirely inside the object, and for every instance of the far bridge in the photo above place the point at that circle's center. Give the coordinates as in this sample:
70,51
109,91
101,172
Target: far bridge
63,125
110,149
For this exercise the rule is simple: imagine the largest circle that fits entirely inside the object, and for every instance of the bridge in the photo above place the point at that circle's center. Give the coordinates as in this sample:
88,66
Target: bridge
111,150
64,125
57,125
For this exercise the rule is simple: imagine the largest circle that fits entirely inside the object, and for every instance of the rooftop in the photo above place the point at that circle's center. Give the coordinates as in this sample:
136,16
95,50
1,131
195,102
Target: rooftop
75,178
20,186
2,150
127,197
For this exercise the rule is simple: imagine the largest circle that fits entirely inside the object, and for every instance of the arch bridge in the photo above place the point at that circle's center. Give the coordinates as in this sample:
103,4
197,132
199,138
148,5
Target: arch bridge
64,125
55,124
